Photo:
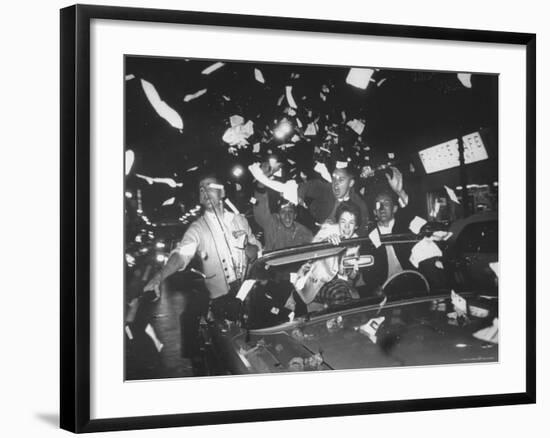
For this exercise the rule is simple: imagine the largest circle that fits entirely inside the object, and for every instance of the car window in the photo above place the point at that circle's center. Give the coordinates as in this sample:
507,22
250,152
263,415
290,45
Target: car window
479,237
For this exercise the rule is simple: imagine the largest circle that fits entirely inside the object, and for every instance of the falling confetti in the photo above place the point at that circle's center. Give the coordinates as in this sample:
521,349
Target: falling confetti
190,97
416,224
259,76
452,195
169,201
359,77
169,181
289,97
129,161
357,125
236,120
423,250
341,164
311,129
237,135
322,170
163,110
212,68
130,77
465,79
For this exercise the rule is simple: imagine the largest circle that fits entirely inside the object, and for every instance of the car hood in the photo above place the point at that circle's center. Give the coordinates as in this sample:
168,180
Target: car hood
410,333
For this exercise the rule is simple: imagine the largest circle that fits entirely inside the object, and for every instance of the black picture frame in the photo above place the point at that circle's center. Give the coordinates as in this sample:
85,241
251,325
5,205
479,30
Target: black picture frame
75,216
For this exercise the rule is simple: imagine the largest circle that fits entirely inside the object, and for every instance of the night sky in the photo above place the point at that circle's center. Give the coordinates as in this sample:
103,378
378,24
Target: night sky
403,111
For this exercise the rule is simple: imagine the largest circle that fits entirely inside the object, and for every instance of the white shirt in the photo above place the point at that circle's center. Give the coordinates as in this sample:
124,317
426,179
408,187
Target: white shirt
232,254
393,262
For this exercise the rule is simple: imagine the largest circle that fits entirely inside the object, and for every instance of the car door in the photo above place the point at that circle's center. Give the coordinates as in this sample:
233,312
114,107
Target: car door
477,246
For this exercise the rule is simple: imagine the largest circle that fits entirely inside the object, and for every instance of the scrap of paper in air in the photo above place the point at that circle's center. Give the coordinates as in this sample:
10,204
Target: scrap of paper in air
465,79
259,76
416,224
162,109
190,97
359,77
212,68
357,125
129,161
452,195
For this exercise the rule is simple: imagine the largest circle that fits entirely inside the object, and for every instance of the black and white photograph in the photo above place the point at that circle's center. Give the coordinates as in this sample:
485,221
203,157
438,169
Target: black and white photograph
286,218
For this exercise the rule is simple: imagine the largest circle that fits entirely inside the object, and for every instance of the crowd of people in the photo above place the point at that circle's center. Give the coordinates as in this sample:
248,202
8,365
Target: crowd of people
225,244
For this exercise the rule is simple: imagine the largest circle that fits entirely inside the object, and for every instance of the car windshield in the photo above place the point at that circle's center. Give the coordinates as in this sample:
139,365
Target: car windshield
278,291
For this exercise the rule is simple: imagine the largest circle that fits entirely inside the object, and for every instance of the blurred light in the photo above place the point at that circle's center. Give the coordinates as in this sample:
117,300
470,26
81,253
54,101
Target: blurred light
161,258
237,171
128,195
160,245
138,238
130,260
144,250
495,184
283,129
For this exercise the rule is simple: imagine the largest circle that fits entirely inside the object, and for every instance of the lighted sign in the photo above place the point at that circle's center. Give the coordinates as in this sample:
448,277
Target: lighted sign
445,155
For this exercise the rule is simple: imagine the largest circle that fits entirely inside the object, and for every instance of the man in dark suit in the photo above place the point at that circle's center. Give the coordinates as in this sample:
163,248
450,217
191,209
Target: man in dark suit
323,198
393,213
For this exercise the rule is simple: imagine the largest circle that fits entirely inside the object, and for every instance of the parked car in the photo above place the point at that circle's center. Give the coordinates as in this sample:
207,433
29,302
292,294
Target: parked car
417,327
470,251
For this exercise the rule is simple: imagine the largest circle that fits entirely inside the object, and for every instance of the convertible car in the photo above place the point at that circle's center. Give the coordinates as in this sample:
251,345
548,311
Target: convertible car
404,324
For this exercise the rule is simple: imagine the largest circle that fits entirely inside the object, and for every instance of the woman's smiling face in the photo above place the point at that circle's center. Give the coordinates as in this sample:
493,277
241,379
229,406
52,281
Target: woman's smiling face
347,224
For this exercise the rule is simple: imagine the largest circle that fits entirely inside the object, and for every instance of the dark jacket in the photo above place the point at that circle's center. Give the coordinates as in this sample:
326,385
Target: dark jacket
276,235
320,200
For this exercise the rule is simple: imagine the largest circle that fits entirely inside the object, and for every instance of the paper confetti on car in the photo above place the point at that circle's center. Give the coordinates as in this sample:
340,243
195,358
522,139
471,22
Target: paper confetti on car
371,327
416,224
246,287
459,303
359,77
424,250
488,334
162,109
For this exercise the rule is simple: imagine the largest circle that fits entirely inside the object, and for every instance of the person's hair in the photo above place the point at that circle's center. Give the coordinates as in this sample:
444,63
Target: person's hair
349,207
208,175
281,202
388,193
349,170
